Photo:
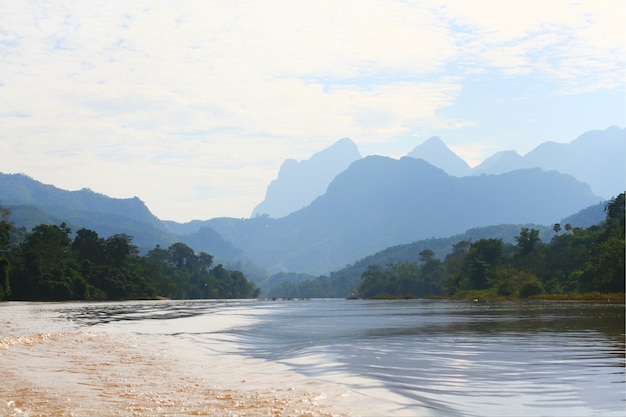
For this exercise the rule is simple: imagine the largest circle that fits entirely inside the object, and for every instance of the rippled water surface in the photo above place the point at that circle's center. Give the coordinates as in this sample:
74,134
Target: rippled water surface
316,357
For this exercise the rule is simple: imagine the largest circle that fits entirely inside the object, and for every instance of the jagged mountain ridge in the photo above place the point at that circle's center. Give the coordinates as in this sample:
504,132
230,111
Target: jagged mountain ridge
32,203
435,151
299,183
363,204
597,157
379,202
21,189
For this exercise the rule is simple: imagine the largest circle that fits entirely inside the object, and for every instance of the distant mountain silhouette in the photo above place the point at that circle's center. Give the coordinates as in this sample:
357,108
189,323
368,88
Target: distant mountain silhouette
33,203
373,203
379,202
597,157
435,152
587,217
500,162
21,189
299,183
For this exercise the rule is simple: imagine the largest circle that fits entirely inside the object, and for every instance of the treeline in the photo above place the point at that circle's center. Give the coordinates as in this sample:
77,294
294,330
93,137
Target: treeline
49,265
576,261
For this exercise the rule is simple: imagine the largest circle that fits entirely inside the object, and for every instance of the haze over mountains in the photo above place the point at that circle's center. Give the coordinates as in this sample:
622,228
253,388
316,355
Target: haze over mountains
597,157
299,183
372,203
380,201
435,151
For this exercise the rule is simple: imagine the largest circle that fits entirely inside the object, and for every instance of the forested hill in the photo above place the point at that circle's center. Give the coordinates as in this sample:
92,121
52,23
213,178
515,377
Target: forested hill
376,203
50,265
33,203
21,189
480,264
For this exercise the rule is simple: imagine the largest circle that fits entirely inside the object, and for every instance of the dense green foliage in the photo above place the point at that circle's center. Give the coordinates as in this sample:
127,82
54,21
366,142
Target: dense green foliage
343,282
576,260
49,265
5,240
492,259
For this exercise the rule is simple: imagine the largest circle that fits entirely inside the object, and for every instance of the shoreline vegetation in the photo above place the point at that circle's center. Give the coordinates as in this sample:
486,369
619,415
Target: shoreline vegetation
577,264
52,264
483,296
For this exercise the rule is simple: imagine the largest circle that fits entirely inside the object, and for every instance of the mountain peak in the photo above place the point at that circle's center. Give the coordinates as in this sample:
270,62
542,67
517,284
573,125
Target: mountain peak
299,183
435,152
596,157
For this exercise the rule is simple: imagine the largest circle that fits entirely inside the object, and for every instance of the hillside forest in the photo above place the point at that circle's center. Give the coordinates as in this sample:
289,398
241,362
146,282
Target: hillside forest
51,263
576,261
48,265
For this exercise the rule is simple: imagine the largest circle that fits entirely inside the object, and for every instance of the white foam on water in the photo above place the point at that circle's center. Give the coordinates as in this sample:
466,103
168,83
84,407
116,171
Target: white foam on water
50,368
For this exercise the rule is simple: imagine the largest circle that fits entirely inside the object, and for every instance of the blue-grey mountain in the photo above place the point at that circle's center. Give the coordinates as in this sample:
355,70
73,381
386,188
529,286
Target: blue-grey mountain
597,157
299,183
435,152
32,201
373,203
379,202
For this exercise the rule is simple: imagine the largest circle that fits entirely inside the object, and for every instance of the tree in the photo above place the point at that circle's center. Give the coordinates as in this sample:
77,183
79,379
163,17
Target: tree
48,271
5,240
556,228
527,241
615,209
118,248
88,246
405,280
181,256
426,255
605,267
453,264
483,256
432,272
5,228
5,286
374,281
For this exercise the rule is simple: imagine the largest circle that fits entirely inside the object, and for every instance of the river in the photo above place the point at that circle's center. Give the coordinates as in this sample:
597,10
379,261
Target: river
313,357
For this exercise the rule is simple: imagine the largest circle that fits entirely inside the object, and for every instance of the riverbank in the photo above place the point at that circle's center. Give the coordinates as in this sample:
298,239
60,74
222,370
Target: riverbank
490,295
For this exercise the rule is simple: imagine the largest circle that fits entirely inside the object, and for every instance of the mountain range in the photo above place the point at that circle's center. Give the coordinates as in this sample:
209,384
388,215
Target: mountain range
299,183
380,201
597,157
435,151
371,204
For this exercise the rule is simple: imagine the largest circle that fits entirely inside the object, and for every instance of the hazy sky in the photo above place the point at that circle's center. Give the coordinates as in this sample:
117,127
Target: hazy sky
193,105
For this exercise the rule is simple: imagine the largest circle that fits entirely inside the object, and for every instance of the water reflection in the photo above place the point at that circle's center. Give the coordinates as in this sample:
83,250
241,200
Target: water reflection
458,357
441,358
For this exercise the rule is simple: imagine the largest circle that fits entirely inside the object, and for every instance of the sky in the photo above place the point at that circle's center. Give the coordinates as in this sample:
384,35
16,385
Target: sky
193,105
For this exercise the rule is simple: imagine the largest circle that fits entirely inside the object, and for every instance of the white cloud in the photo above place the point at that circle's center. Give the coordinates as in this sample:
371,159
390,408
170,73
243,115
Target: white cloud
580,45
128,97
